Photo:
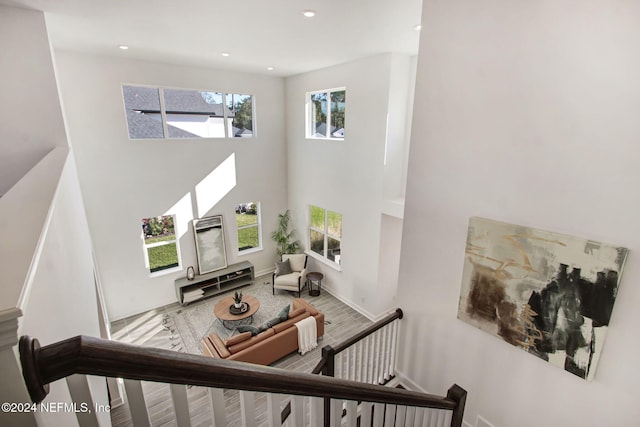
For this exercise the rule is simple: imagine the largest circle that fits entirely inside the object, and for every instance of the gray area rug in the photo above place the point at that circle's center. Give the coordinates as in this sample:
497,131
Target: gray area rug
196,320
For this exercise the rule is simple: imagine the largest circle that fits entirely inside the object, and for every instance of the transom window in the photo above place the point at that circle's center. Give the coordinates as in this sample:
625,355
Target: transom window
248,224
325,114
179,113
325,233
161,251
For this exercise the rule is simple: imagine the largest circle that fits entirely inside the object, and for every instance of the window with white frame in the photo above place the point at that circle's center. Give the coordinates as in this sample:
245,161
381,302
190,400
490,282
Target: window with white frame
183,113
325,114
161,251
249,226
325,233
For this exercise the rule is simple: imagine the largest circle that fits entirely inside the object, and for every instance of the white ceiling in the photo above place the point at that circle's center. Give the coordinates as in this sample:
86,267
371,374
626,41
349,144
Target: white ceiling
257,33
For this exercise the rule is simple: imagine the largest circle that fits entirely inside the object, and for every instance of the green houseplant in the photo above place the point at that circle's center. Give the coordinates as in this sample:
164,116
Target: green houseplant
237,299
286,244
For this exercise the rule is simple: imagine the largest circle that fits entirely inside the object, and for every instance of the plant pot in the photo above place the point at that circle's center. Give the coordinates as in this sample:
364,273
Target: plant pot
237,305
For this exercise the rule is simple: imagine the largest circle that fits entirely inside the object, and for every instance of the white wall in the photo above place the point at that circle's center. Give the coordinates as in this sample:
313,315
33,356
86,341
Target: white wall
30,114
347,176
62,300
126,180
525,112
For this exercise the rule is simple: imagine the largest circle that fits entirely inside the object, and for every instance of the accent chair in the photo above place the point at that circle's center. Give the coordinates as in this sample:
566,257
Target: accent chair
291,273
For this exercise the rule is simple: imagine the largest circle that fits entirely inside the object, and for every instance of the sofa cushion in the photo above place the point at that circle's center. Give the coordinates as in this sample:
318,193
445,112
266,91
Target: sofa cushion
236,339
269,323
297,312
300,303
283,267
253,340
289,323
290,279
248,328
213,340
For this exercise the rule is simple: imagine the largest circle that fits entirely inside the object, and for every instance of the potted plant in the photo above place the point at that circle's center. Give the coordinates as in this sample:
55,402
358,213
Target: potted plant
237,299
283,237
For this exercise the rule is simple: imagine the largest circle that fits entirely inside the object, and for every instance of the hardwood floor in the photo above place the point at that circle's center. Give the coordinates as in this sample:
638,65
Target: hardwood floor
148,329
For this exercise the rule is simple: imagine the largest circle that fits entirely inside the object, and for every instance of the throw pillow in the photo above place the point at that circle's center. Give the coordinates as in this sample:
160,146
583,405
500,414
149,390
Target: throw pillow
248,328
236,339
269,323
283,267
284,313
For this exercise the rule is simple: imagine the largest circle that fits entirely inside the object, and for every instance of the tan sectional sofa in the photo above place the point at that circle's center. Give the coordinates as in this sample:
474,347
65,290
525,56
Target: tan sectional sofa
267,346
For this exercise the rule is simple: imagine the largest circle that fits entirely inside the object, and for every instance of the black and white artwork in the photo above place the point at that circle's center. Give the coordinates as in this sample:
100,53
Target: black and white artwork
210,249
549,294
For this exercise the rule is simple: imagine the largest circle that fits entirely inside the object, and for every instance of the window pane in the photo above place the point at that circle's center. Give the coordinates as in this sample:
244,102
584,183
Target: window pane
334,250
317,217
246,214
334,227
248,238
337,114
318,115
158,229
240,113
194,114
142,106
163,257
317,242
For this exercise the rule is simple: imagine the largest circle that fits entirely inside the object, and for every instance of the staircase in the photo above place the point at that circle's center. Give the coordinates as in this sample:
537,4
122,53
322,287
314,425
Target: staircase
344,389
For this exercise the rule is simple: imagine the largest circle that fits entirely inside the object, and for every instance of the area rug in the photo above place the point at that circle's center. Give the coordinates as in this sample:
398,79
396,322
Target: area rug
191,323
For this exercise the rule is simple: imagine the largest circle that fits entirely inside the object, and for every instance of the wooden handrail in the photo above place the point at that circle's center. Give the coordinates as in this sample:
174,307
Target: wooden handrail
96,356
368,331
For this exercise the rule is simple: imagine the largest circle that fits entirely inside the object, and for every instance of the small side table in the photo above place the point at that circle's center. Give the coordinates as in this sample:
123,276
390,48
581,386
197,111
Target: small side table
314,282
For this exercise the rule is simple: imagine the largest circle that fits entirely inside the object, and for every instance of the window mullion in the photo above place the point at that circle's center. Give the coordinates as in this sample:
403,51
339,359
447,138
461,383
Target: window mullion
328,130
163,115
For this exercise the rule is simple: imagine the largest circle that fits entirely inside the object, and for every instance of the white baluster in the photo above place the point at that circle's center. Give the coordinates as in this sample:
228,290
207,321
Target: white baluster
297,411
378,414
181,404
384,374
338,365
419,417
273,409
137,405
359,361
336,413
401,415
389,415
216,395
81,394
366,415
316,409
377,353
394,345
352,413
410,416
367,360
247,408
428,419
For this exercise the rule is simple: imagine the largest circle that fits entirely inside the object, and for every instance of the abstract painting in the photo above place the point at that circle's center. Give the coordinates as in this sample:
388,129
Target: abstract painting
549,294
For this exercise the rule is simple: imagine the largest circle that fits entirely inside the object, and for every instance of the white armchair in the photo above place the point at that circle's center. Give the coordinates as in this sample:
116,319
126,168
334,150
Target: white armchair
291,273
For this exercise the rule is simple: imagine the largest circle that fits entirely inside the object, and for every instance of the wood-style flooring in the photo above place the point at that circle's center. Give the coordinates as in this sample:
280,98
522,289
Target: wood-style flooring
147,329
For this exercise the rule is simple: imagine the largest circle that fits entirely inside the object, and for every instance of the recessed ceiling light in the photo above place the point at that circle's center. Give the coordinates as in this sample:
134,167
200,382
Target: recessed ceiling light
225,54
270,68
123,47
417,27
309,13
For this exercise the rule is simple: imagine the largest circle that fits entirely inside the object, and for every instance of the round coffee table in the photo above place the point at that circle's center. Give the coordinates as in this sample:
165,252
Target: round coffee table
230,321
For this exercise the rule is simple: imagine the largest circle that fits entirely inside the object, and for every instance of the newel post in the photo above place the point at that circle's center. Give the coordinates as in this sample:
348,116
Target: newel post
328,370
459,396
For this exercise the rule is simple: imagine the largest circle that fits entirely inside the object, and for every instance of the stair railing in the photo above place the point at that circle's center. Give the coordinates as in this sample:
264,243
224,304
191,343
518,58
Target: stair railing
368,357
95,356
